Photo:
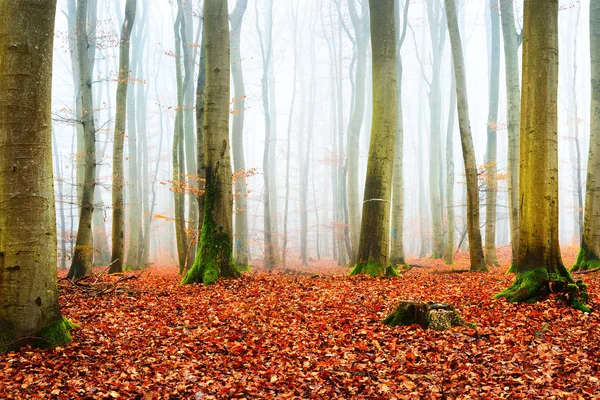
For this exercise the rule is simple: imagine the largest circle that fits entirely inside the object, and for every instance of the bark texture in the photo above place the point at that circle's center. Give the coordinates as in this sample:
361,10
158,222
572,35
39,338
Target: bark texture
589,255
118,237
214,258
373,251
84,251
466,139
540,269
239,164
29,310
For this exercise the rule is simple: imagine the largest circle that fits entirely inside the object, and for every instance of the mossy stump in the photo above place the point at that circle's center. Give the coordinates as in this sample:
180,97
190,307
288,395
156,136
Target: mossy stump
437,316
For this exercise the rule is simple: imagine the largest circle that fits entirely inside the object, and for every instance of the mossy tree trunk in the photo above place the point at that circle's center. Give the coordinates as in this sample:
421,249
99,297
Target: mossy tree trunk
373,250
589,255
466,139
29,309
214,257
239,164
84,252
397,227
491,170
200,162
539,268
118,214
513,110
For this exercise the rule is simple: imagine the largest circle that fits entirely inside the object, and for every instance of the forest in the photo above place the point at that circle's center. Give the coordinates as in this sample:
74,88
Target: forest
247,199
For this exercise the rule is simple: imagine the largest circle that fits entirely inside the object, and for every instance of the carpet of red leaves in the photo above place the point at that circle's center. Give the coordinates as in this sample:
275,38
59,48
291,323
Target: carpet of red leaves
316,335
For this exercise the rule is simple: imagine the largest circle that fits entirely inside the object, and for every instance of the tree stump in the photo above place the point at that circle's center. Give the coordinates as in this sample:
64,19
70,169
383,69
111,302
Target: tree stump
436,316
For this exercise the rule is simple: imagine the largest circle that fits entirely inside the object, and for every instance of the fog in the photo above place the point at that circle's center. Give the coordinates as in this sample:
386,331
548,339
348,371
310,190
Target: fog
312,91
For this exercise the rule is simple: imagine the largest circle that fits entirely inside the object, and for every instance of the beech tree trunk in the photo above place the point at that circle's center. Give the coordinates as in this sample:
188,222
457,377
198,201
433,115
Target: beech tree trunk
239,164
214,258
540,269
373,251
589,254
84,251
29,309
513,92
450,178
491,169
118,214
466,139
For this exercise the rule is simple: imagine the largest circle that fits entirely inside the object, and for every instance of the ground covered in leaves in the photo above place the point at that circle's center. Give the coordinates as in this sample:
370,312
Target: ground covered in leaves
313,334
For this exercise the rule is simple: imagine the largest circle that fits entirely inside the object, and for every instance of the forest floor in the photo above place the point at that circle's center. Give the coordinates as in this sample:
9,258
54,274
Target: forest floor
314,334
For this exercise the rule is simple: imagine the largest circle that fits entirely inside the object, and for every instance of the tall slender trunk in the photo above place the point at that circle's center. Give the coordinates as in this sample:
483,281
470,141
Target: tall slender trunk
513,94
239,164
61,202
466,139
589,254
373,250
491,169
84,252
118,214
450,179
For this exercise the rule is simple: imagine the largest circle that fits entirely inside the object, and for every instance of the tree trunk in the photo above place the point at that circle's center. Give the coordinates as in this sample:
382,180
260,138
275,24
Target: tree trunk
491,170
438,39
84,251
178,157
397,232
361,31
214,258
29,309
239,164
466,139
200,162
61,201
118,214
540,269
450,179
373,251
513,91
589,255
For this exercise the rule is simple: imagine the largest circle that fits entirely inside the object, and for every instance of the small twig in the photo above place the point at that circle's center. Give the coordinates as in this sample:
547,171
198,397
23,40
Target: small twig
589,271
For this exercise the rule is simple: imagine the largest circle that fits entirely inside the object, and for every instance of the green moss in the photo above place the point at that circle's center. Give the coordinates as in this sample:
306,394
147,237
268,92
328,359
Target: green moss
512,269
373,268
53,335
528,286
584,262
244,268
214,258
400,316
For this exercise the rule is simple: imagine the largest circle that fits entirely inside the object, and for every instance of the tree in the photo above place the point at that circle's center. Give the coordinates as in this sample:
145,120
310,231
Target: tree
118,243
513,111
29,309
397,245
214,257
373,249
84,251
450,179
466,139
540,270
491,170
239,164
589,254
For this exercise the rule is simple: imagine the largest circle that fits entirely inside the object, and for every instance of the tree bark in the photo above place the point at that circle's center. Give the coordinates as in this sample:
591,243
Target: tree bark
450,179
589,254
373,251
540,269
118,214
29,309
239,164
513,92
466,139
214,258
491,169
84,252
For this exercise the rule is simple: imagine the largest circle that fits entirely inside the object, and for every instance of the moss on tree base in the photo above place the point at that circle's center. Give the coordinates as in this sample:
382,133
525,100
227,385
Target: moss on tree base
584,262
537,284
53,335
512,269
428,315
374,269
